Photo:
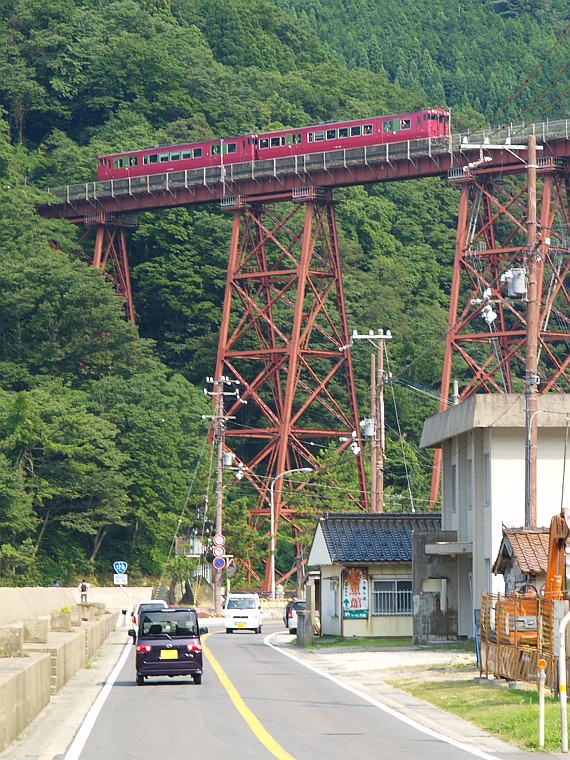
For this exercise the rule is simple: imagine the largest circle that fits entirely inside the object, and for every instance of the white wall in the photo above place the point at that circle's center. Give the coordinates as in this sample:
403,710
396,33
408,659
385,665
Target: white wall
482,525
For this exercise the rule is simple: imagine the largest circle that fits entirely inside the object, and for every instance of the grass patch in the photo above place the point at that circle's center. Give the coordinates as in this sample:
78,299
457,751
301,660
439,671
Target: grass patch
509,714
368,642
375,643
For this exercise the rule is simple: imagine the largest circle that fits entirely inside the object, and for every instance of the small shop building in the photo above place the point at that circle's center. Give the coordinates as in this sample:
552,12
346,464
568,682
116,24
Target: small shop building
362,584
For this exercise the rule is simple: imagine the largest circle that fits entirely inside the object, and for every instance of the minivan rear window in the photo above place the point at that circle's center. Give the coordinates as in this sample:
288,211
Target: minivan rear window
169,623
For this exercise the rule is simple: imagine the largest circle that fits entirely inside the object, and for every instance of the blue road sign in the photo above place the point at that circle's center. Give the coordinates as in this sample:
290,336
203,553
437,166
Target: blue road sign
120,567
219,563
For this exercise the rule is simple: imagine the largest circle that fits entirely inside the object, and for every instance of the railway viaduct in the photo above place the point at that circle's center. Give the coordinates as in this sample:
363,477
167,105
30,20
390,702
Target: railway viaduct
284,332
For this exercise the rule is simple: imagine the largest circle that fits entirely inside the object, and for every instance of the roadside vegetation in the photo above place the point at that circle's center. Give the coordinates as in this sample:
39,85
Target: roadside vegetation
509,714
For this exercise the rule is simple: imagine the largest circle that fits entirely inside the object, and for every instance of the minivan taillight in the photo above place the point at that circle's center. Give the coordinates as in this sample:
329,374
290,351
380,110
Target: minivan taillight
144,647
194,647
290,612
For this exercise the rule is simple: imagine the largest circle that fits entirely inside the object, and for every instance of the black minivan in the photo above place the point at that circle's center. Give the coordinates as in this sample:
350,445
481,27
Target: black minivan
168,644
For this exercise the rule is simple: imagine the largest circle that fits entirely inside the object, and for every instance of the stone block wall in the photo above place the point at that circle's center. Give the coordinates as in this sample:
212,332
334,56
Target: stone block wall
24,692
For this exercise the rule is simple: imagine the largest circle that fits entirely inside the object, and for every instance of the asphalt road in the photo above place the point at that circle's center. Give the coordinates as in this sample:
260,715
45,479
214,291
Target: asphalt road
257,701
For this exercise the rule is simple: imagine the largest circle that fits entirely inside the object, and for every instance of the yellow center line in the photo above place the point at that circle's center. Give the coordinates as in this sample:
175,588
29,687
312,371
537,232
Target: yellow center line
260,732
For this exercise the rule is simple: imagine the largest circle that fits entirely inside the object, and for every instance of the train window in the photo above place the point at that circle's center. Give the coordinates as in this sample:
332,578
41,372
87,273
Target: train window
343,132
310,136
264,142
215,150
186,154
231,148
197,152
175,156
154,158
356,131
389,126
320,135
367,129
275,142
331,134
297,138
120,163
164,158
405,123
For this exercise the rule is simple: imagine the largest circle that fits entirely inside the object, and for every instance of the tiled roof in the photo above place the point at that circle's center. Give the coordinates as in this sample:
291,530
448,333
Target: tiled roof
380,537
529,548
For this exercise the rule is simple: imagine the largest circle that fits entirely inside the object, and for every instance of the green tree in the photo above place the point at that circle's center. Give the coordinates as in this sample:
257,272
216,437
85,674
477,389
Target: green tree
71,467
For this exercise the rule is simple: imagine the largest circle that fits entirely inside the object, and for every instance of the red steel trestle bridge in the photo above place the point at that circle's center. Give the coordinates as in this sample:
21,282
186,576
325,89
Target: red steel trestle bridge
284,320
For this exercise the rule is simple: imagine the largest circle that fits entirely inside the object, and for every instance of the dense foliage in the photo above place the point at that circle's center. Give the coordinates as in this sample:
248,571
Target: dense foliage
103,448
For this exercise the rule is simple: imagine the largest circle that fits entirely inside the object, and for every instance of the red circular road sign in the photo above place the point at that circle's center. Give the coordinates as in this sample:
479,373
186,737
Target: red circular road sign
219,540
219,563
218,551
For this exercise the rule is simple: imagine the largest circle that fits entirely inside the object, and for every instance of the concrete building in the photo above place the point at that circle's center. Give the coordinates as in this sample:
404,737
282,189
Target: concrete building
483,442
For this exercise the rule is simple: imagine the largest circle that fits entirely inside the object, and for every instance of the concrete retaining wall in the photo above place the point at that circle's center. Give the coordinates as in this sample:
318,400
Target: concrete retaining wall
24,692
96,632
46,636
17,604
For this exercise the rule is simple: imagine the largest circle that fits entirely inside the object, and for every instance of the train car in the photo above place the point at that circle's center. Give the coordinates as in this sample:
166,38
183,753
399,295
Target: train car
433,122
377,130
175,158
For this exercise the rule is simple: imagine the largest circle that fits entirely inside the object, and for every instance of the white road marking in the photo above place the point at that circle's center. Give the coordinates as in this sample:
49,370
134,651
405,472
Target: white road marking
385,708
76,746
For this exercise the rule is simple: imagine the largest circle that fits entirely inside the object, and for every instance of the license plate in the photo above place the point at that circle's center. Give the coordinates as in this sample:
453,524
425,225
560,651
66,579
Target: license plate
240,625
168,654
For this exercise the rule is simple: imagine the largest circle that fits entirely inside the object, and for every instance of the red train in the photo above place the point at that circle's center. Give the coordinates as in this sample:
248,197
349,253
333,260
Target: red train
431,122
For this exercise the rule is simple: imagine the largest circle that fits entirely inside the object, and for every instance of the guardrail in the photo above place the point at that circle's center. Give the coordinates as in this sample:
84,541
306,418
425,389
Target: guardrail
230,175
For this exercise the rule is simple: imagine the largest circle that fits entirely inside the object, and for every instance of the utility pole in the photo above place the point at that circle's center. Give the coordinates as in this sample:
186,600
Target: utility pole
219,440
377,446
531,377
219,420
378,500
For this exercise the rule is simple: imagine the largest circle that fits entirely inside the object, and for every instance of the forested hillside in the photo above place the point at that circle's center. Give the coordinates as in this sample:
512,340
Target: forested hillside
103,450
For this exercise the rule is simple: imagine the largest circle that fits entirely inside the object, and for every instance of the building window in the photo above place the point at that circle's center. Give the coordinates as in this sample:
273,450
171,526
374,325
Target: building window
454,488
391,597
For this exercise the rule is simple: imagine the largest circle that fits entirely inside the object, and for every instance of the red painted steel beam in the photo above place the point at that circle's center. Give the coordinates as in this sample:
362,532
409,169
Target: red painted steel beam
492,241
283,322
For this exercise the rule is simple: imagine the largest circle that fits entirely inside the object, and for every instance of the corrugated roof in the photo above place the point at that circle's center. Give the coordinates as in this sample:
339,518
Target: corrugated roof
380,537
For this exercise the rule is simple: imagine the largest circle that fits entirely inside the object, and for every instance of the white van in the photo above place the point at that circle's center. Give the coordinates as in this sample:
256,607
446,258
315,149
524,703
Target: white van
242,612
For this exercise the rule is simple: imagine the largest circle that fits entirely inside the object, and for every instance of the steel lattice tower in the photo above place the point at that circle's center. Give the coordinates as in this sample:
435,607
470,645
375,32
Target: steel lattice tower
505,232
283,323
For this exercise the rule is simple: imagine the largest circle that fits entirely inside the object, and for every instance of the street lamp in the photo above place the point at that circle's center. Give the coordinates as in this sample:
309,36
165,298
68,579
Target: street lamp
272,516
